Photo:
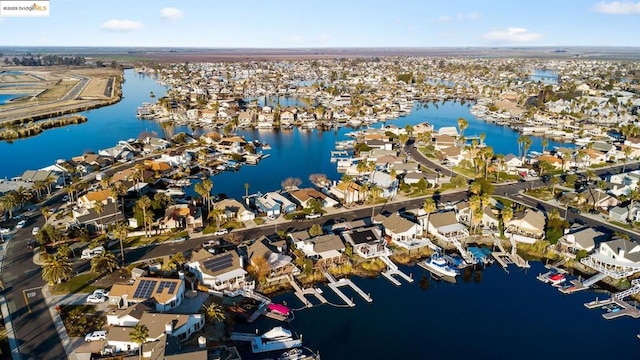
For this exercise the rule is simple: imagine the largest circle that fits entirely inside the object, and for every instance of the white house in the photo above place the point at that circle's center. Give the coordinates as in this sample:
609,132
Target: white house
526,226
323,249
445,226
234,210
159,326
617,258
129,316
367,242
401,231
219,272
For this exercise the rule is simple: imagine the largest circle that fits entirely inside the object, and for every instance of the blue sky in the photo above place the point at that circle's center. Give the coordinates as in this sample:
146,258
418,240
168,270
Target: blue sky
328,23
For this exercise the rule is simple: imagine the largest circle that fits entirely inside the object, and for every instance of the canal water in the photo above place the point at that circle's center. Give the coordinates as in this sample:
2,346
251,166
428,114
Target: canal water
494,315
295,153
4,98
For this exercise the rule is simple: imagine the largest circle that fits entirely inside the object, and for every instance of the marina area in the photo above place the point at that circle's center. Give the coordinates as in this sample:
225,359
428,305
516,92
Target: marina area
471,301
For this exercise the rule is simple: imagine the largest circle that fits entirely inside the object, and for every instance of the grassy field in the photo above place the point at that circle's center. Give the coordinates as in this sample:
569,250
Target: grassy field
77,284
95,88
57,91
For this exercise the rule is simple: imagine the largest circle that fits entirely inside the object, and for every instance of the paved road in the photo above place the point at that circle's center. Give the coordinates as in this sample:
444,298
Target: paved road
36,335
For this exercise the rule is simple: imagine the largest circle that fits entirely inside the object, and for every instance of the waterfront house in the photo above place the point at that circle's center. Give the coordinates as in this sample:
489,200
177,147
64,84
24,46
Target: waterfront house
348,192
161,293
159,326
324,250
234,210
181,216
580,237
385,182
513,163
32,176
273,204
219,272
231,145
445,226
367,242
617,258
450,131
526,226
443,141
401,231
304,196
274,253
156,143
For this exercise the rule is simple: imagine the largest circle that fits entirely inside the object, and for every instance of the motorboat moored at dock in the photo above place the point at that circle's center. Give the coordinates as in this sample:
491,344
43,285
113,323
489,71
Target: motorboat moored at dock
438,265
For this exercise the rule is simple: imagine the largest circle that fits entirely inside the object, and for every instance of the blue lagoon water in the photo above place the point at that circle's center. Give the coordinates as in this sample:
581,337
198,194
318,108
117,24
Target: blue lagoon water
503,316
4,98
104,128
548,77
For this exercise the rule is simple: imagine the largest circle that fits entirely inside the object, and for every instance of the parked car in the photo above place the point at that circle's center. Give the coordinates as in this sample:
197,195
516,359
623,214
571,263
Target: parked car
96,299
65,198
35,230
574,210
298,218
4,231
21,224
313,216
31,244
95,336
546,178
90,253
221,232
101,292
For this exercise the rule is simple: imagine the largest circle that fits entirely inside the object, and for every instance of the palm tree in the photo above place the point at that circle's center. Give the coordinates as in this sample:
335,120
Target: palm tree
246,190
545,143
9,202
374,192
118,190
215,213
99,208
507,215
627,151
64,251
361,168
462,126
208,186
121,232
214,312
347,180
105,261
48,182
45,213
144,203
429,207
56,269
139,336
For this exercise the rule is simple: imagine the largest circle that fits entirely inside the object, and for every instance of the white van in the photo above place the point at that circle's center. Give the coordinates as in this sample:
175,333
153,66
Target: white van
90,253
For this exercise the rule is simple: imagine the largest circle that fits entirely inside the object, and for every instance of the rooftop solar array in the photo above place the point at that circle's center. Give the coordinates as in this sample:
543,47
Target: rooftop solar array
219,263
145,289
171,285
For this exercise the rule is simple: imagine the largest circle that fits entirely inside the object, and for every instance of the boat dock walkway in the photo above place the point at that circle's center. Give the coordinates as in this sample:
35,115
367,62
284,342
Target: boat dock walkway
505,258
621,308
300,293
392,269
335,286
580,285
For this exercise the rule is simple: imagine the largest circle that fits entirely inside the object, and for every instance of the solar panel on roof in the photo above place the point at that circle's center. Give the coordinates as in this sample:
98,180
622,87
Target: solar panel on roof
219,263
144,289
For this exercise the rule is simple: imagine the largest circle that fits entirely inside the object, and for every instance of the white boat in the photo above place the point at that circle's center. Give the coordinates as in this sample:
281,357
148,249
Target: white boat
277,338
439,266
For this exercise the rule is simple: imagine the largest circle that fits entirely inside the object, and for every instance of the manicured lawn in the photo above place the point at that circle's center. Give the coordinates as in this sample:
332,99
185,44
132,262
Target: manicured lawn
77,284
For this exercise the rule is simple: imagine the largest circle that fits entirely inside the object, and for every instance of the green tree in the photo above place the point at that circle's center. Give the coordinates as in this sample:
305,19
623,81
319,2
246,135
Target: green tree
462,126
429,207
214,312
120,231
139,335
143,203
104,262
627,151
316,230
56,270
246,190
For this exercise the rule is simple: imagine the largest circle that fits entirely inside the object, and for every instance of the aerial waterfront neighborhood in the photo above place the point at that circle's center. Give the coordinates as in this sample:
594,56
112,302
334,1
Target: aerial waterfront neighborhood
457,185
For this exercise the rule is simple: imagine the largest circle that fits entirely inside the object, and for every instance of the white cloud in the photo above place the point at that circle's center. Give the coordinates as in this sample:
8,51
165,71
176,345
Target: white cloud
617,7
171,14
512,36
121,25
444,18
470,16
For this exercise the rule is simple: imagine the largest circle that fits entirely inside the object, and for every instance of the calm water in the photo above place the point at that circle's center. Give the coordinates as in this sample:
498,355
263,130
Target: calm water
4,98
504,316
548,77
296,153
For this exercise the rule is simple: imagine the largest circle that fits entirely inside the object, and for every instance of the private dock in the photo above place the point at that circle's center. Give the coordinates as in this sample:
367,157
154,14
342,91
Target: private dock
300,293
621,308
578,285
392,269
505,258
335,286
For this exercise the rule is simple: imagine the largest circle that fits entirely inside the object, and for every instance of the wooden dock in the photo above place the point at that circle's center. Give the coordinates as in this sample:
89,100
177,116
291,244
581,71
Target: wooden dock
335,286
392,269
300,293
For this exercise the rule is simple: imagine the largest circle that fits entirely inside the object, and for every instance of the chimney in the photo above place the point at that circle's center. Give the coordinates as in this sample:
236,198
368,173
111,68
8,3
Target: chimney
621,252
168,328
